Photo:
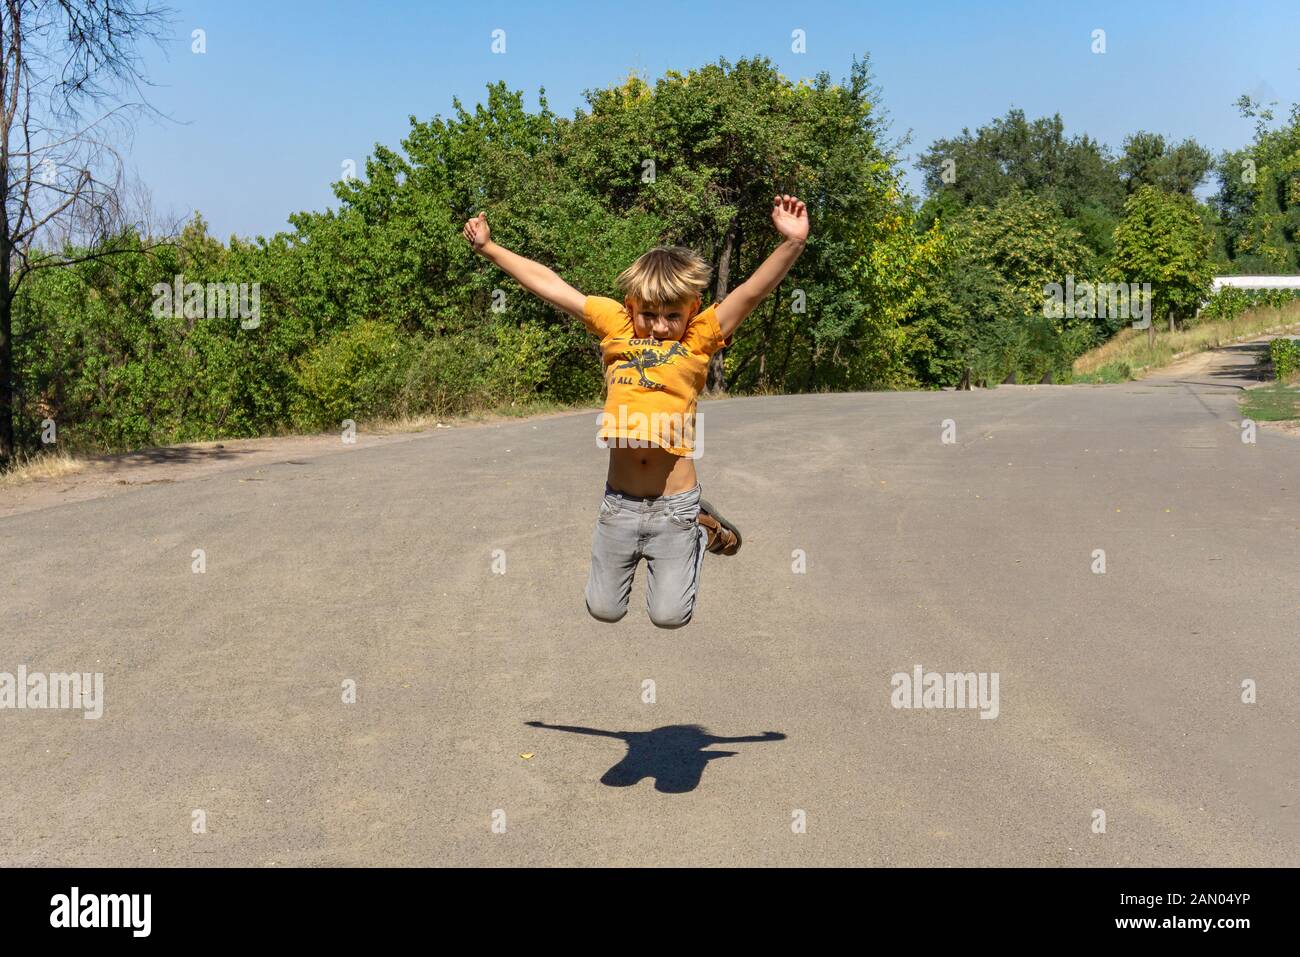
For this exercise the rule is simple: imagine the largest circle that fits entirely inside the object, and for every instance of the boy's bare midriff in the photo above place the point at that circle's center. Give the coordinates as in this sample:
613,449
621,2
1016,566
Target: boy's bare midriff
650,471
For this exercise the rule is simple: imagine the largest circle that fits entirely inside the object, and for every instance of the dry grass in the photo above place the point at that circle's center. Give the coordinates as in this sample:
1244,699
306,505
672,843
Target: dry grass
44,465
1129,347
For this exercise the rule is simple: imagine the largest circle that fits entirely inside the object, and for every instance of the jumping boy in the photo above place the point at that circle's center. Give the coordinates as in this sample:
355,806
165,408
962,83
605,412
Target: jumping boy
655,347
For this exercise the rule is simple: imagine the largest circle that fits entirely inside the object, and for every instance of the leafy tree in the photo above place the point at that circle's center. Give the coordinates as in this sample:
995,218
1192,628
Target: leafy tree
902,275
703,153
1162,241
1148,161
1076,173
992,279
377,307
1008,253
1258,201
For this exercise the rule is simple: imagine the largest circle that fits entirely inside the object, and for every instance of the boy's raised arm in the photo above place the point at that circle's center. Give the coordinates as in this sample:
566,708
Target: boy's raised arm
536,278
790,217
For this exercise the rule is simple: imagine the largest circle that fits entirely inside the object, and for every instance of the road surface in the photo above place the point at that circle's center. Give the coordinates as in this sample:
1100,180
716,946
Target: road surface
225,738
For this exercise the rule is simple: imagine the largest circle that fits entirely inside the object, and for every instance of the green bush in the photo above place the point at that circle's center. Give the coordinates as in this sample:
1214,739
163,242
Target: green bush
445,376
1076,340
1277,298
356,373
1285,354
1226,304
1030,348
1113,372
1230,302
521,362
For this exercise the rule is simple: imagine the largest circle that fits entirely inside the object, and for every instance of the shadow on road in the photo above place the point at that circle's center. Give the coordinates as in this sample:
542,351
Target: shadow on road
1248,361
171,454
673,755
1243,364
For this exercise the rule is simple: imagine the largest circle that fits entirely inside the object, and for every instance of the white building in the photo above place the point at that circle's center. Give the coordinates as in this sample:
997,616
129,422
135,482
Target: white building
1256,282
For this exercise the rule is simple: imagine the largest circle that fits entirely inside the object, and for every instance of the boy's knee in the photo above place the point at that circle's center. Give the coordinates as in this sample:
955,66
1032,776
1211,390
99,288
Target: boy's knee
605,612
670,618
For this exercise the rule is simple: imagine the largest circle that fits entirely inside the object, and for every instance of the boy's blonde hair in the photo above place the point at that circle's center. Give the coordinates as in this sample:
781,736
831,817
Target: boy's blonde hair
665,275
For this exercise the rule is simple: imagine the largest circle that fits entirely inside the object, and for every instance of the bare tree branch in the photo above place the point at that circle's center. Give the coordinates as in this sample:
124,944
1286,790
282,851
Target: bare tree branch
65,197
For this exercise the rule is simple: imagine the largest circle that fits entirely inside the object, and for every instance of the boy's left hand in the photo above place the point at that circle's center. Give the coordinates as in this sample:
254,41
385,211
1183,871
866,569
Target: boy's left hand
790,217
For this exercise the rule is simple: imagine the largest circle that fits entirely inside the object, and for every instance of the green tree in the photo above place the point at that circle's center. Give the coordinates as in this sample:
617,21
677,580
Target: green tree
704,152
1002,259
1259,194
1006,255
1013,154
377,307
1176,168
1162,241
902,276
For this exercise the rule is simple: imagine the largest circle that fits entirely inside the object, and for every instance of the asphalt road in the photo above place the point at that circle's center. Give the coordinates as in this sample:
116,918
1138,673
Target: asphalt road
1118,692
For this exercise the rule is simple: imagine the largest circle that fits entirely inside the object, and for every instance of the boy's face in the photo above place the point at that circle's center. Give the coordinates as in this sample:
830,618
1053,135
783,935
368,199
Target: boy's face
667,321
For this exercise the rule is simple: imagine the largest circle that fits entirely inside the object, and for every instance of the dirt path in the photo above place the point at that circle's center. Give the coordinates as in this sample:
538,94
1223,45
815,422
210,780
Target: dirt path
1233,366
1236,367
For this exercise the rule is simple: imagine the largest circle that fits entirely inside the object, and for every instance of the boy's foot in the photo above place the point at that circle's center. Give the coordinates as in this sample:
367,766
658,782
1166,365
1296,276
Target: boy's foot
724,538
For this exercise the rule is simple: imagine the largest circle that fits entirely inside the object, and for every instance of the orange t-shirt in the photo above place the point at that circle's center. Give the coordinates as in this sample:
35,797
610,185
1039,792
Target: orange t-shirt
652,384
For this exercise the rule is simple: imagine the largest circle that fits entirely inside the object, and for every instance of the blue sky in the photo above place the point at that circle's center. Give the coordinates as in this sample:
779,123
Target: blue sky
261,123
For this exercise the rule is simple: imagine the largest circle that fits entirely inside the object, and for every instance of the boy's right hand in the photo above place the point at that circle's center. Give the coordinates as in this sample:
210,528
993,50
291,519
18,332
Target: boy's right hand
476,232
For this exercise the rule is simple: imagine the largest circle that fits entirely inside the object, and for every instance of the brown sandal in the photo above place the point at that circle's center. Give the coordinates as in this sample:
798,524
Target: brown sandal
724,538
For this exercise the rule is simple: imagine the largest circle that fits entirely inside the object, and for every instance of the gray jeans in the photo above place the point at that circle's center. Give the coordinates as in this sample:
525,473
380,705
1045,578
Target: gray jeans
665,531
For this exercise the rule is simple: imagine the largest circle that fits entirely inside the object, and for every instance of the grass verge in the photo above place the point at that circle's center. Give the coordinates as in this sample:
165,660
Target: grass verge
1278,402
42,465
